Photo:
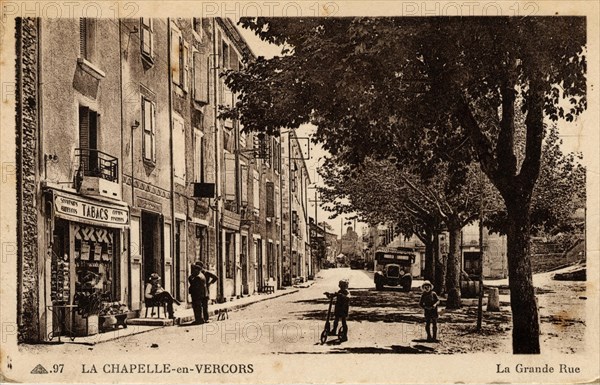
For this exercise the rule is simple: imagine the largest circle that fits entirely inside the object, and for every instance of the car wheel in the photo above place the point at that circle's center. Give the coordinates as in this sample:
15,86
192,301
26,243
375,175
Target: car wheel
406,282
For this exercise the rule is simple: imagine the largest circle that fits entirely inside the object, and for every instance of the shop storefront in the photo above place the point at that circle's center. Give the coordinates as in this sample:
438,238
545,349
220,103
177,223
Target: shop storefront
86,268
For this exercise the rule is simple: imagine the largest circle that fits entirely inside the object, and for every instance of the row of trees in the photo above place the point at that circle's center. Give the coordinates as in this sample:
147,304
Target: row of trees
436,96
382,192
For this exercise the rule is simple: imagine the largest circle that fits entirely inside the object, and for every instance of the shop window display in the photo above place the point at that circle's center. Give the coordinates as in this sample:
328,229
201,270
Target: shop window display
84,276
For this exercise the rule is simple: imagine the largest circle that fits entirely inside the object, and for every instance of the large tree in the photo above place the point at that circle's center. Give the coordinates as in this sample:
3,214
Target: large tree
376,193
558,194
370,83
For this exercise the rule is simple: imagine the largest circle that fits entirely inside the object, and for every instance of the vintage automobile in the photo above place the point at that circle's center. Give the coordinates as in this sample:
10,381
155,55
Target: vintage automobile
392,267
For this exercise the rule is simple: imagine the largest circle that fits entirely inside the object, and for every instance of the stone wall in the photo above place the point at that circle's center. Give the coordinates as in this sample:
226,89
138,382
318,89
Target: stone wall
26,157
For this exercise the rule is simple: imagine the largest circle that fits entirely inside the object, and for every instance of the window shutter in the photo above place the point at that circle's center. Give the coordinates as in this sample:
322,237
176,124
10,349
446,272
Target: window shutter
153,130
198,155
276,203
148,125
151,37
186,65
84,127
256,191
270,187
244,184
175,65
229,177
295,222
200,79
179,149
90,25
147,41
82,38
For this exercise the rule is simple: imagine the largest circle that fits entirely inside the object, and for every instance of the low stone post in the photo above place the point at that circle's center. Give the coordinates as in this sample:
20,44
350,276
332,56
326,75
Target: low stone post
493,299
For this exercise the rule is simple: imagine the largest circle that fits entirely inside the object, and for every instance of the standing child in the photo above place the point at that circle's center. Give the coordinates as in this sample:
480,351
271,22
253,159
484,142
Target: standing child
429,301
342,306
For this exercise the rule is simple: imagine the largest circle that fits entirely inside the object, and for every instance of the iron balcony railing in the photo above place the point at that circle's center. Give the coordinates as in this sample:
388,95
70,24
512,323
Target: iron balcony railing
96,163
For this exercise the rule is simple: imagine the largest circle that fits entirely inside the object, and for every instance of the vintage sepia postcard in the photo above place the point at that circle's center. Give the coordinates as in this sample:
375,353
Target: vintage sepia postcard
302,192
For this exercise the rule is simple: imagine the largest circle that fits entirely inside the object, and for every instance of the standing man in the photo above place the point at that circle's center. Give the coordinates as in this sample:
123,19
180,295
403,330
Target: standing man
210,278
198,292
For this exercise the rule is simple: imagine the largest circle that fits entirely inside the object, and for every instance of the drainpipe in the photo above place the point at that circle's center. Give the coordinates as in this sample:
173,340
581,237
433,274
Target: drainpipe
48,225
121,53
219,211
170,82
290,200
238,201
280,261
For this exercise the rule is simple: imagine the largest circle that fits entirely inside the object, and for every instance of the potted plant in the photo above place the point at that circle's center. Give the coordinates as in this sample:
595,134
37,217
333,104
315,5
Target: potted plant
88,310
113,314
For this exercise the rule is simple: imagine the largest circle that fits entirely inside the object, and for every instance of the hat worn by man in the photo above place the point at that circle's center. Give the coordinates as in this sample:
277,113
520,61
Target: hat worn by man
427,283
199,264
154,276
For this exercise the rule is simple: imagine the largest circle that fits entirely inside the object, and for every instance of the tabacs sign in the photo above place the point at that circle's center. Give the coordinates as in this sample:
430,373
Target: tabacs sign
85,211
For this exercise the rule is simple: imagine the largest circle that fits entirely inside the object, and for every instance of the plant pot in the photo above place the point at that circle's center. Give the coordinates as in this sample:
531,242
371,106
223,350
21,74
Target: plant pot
85,326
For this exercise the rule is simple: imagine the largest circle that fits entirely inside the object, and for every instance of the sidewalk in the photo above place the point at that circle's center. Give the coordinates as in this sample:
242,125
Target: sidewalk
182,315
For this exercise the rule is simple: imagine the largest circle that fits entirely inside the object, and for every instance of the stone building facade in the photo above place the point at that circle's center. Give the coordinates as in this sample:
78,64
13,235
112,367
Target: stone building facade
125,168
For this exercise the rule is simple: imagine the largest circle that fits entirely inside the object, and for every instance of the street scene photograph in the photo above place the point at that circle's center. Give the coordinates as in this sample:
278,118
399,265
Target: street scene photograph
196,197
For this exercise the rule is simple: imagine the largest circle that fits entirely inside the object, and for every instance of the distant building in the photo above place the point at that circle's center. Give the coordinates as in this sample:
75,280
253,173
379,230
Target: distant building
494,264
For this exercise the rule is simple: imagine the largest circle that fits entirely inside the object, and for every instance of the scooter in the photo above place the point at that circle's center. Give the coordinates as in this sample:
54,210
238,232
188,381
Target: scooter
327,329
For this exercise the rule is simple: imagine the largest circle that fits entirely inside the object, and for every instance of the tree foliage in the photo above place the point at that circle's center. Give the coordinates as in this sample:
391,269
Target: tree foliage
380,86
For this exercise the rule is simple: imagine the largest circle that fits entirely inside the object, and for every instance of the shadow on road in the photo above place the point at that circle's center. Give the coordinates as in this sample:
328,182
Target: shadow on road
372,306
393,306
394,349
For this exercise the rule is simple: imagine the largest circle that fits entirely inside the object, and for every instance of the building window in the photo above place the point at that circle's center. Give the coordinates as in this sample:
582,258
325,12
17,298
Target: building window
270,272
256,192
225,56
230,178
270,187
185,64
179,57
149,130
198,155
201,76
179,149
87,38
147,38
88,141
229,254
244,183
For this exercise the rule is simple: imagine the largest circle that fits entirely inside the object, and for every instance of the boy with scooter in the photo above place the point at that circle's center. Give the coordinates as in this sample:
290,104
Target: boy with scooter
429,302
342,306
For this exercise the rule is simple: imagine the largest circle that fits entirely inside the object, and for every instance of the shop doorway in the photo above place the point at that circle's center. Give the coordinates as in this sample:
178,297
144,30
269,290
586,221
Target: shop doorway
260,279
180,260
472,262
244,260
151,245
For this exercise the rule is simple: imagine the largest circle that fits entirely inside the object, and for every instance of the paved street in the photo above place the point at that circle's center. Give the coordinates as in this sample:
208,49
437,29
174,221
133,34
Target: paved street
379,322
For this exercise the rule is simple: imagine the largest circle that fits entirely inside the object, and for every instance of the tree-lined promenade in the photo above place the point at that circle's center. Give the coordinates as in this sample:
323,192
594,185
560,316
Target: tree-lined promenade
438,99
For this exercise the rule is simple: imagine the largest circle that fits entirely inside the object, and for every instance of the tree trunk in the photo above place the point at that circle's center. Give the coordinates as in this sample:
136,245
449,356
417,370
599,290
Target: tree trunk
453,267
440,271
526,328
430,246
